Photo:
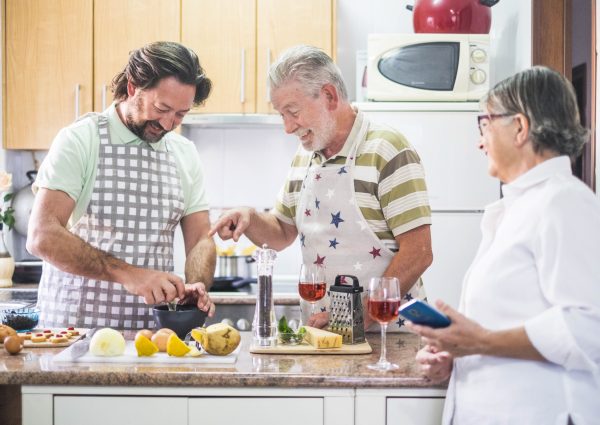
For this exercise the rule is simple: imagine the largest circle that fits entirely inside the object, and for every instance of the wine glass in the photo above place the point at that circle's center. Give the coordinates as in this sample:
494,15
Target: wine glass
312,284
383,303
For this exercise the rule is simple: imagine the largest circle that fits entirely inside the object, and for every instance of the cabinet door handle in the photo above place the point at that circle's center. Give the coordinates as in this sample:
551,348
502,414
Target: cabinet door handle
268,90
77,86
243,78
103,97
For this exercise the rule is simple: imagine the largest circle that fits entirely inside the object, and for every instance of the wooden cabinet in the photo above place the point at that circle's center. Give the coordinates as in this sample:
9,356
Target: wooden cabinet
48,69
61,56
223,34
286,23
121,26
237,40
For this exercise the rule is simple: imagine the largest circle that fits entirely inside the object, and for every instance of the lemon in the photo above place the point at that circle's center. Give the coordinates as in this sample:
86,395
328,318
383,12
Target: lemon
194,352
198,334
176,347
144,346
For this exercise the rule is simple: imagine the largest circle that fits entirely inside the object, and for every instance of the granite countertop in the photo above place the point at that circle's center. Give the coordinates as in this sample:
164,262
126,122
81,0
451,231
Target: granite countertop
34,366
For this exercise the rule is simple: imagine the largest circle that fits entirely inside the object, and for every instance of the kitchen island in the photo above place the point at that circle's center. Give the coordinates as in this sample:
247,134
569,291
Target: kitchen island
258,389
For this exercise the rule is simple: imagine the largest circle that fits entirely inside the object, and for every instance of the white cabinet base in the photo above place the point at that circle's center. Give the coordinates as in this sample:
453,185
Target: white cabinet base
417,406
102,410
66,405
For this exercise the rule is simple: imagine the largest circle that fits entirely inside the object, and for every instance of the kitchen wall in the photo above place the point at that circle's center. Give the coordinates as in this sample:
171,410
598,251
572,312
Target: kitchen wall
246,164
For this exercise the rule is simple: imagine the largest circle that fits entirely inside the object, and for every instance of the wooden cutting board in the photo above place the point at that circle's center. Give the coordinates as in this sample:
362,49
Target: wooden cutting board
47,344
306,348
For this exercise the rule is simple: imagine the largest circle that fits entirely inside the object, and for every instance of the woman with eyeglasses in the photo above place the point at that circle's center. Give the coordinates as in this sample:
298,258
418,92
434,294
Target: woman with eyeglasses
524,346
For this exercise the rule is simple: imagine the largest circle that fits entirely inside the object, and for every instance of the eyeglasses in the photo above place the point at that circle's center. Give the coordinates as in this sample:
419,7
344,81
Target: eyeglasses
483,121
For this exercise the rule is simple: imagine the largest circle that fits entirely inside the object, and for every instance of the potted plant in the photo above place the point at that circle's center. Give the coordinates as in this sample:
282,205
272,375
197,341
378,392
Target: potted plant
7,263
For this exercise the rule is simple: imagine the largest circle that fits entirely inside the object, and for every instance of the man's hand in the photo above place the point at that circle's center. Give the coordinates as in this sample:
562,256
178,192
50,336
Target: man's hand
196,293
232,223
319,320
154,286
435,365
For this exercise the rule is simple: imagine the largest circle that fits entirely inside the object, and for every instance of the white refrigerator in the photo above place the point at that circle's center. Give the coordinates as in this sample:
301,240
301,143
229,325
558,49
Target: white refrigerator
446,137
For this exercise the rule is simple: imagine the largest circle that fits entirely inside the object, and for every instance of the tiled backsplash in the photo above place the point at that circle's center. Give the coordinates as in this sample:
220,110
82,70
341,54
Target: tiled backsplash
246,166
243,166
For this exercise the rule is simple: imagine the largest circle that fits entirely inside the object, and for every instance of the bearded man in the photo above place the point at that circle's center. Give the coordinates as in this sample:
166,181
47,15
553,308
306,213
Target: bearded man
110,193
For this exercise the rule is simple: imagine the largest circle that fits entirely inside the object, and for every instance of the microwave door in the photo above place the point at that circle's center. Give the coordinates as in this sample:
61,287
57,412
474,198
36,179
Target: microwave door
426,66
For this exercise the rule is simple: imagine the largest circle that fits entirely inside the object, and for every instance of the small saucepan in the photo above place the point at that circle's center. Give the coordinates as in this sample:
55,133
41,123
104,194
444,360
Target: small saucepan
230,283
235,265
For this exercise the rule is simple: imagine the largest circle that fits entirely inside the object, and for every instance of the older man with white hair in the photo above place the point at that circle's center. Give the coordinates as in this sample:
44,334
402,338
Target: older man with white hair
355,193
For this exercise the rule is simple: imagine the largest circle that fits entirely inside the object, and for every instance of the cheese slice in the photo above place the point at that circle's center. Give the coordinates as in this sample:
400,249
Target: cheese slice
319,338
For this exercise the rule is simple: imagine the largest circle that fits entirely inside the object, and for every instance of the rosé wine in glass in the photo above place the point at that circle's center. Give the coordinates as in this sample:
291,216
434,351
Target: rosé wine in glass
312,285
383,303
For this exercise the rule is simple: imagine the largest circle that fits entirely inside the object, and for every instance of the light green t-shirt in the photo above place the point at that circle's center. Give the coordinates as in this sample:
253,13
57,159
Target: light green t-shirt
72,162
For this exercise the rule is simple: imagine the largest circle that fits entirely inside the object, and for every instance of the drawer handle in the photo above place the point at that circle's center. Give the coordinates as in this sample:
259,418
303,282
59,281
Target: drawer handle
268,91
103,97
77,89
243,78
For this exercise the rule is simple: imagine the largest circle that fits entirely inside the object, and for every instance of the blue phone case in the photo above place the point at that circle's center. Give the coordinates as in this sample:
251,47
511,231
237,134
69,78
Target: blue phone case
421,313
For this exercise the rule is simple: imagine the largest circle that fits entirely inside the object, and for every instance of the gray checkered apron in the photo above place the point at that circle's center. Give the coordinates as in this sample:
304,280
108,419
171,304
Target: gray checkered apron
136,204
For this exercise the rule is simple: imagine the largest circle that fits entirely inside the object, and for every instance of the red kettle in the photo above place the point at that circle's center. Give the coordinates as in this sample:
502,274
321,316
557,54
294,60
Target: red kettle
452,16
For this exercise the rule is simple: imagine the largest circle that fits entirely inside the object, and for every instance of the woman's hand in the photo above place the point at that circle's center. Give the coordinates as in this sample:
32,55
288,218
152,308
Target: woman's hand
434,365
462,338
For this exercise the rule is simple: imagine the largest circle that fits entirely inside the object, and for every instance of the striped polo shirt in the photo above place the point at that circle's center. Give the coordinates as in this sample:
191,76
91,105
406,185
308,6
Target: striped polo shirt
389,182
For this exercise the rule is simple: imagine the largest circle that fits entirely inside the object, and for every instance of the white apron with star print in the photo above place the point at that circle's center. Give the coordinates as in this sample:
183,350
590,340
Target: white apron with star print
334,233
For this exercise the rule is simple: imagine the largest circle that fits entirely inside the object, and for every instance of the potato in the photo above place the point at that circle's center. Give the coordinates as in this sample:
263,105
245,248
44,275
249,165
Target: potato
6,331
146,332
219,339
13,344
161,337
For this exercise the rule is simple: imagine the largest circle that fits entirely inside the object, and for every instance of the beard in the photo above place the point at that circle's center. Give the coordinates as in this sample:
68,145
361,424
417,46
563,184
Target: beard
148,131
322,134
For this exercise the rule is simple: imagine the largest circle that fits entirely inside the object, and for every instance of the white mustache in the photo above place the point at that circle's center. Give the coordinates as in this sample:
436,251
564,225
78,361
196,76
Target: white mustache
301,132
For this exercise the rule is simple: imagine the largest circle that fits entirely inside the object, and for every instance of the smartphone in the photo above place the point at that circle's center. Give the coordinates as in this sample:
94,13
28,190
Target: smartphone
421,313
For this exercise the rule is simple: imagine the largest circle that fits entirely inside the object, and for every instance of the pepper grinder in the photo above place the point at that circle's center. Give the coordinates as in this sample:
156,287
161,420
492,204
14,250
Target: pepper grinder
264,325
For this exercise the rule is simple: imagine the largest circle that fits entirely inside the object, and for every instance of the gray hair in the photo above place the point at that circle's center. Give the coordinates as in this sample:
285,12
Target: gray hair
548,101
309,66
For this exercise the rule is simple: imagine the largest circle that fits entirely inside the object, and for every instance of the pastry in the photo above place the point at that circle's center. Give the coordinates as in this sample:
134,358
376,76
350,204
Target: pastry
38,338
59,339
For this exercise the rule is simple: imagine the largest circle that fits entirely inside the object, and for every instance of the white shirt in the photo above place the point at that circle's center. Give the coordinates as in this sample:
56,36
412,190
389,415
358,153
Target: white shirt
538,265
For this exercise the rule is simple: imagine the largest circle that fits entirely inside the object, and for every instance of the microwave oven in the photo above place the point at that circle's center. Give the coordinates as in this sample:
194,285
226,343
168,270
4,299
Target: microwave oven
428,67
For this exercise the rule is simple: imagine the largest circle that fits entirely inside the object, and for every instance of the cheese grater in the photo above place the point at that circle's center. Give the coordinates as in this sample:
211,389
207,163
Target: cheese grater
346,311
